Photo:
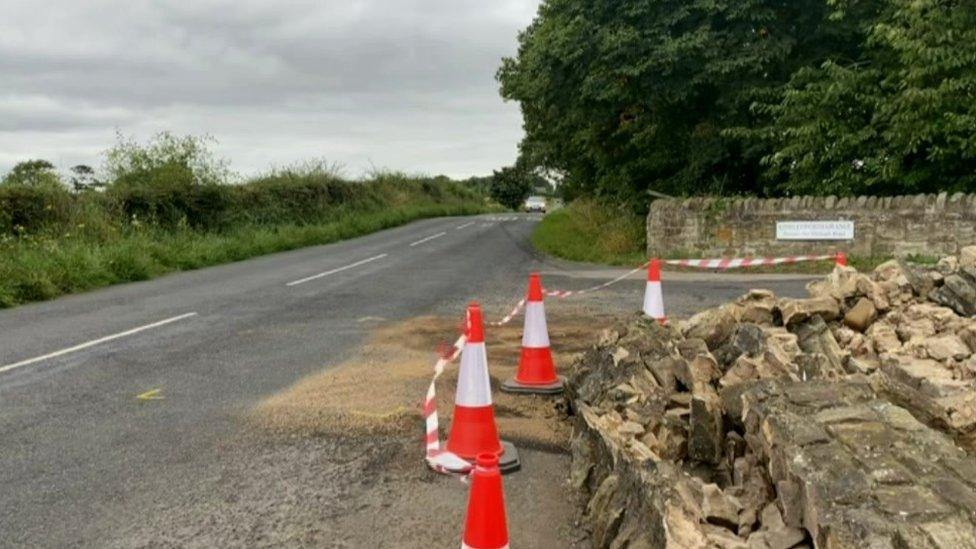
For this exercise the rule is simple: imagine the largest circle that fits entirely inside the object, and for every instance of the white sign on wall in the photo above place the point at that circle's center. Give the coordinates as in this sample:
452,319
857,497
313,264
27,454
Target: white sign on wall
814,230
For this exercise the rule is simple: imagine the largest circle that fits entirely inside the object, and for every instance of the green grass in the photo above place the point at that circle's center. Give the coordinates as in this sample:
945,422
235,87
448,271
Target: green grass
39,268
591,232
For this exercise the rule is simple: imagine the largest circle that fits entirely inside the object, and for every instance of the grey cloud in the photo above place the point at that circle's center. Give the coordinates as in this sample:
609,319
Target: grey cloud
41,113
365,74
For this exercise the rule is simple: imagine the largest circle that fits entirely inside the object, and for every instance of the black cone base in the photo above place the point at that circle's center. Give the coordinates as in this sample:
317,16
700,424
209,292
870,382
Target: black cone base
514,387
508,462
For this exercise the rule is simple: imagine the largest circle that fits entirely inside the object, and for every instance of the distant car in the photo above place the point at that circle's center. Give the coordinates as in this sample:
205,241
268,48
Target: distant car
535,204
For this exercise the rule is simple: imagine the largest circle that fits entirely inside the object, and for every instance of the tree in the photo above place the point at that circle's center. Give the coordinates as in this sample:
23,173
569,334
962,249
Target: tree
83,178
167,161
629,95
33,173
510,187
899,120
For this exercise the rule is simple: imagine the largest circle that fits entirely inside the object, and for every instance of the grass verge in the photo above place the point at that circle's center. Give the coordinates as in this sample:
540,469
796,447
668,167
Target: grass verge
36,269
589,231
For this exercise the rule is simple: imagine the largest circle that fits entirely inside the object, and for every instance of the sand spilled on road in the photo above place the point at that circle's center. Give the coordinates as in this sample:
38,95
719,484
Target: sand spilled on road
380,391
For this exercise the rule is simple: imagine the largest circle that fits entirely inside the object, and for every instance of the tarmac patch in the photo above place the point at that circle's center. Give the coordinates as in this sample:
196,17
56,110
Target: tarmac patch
380,391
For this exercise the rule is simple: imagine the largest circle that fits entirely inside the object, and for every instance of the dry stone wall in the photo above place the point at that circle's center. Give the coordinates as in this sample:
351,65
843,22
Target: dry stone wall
932,225
779,423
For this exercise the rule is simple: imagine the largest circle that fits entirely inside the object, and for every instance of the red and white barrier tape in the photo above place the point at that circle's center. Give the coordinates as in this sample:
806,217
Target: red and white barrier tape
561,294
437,458
508,318
732,263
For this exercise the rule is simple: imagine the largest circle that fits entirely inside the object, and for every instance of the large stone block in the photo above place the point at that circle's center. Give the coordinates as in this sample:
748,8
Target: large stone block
713,326
707,434
861,315
873,476
957,293
795,311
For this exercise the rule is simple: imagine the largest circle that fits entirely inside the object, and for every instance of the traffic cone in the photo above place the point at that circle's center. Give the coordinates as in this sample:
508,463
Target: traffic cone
841,260
653,300
485,526
473,431
536,371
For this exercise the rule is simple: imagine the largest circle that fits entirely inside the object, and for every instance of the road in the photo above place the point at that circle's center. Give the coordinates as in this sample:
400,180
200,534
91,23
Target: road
82,456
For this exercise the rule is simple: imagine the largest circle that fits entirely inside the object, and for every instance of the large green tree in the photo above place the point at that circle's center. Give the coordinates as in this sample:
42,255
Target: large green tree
628,95
510,186
900,119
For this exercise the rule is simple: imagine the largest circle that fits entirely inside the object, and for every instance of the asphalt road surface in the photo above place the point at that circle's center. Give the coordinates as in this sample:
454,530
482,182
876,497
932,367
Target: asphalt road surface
116,402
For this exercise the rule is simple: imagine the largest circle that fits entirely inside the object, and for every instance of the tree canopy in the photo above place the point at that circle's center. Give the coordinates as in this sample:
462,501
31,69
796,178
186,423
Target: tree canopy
166,161
901,119
33,173
748,96
510,186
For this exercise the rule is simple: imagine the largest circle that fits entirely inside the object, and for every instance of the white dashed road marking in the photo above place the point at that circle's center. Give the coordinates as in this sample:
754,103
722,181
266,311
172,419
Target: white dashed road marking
334,271
428,239
92,343
459,227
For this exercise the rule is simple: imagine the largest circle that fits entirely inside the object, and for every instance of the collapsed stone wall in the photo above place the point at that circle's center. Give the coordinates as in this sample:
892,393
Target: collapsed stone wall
854,470
786,423
895,225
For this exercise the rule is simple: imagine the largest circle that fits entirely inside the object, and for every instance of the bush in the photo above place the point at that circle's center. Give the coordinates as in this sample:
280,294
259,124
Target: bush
588,230
28,209
198,206
302,194
170,181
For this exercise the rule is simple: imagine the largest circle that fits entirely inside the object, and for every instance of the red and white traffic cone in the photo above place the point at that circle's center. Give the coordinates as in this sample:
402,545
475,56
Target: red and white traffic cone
473,431
536,371
653,299
485,526
841,260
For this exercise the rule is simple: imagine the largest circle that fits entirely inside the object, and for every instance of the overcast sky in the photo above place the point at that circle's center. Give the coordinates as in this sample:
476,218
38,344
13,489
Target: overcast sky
400,84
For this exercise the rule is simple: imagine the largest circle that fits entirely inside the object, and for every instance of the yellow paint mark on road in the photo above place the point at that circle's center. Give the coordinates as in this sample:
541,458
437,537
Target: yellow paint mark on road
151,395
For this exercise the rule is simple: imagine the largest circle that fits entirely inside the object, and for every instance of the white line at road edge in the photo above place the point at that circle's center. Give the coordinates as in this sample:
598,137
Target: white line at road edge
465,225
334,271
429,238
92,343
